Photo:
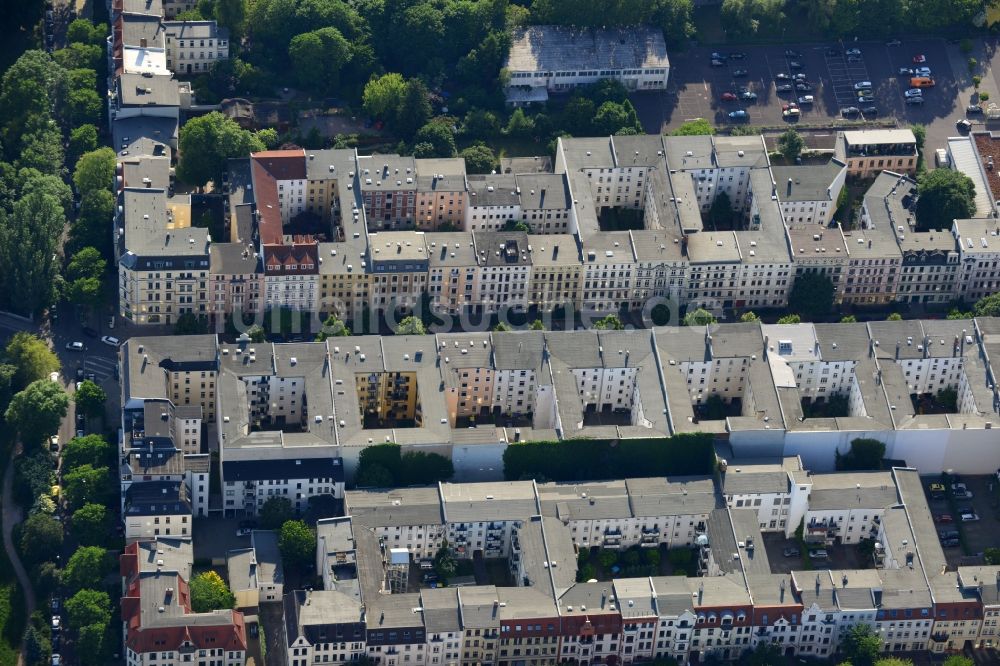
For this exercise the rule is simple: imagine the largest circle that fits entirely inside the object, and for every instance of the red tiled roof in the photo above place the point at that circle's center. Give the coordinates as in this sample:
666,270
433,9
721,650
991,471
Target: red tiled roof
988,146
267,168
297,259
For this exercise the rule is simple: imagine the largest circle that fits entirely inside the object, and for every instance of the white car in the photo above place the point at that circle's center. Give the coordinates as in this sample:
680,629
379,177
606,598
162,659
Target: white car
55,622
54,377
914,92
56,660
110,340
853,52
75,346
862,85
806,99
969,517
922,71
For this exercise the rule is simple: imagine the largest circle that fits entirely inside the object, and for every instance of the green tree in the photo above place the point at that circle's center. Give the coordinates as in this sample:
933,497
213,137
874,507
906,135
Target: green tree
83,31
944,195
536,325
82,106
519,125
765,654
865,454
616,118
374,476
848,319
749,316
988,306
30,88
41,538
420,468
894,316
96,208
81,140
411,326
35,475
276,512
35,412
609,323
36,647
209,592
90,524
207,143
42,149
191,324
383,96
333,328
445,564
88,607
893,661
790,319
231,14
86,568
501,327
811,295
85,485
791,144
32,358
695,127
958,660
298,545
861,645
29,240
318,57
91,644
479,158
95,170
33,180
439,137
414,109
91,450
83,276
699,317
90,399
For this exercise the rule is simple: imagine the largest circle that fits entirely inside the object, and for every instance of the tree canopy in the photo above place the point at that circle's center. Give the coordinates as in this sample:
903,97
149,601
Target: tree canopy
791,144
41,537
209,592
699,317
86,568
29,241
89,524
88,607
861,645
297,543
694,127
207,142
276,512
32,358
944,195
811,295
411,326
37,411
865,454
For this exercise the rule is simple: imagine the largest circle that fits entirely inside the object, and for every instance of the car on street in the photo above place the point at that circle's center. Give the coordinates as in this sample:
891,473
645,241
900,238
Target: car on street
914,100
110,340
818,554
748,96
728,97
718,56
801,76
781,76
870,112
853,52
913,92
919,58
791,114
737,55
789,105
922,71
973,109
803,87
54,443
243,532
950,543
76,346
717,63
905,71
783,87
55,604
894,42
937,491
792,551
55,623
865,99
849,111
806,99
740,73
794,64
863,85
56,660
964,125
790,53
739,115
969,517
943,518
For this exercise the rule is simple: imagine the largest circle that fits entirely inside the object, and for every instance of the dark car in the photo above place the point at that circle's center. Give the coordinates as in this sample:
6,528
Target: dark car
737,55
718,56
792,551
789,53
79,374
740,73
783,87
89,332
717,63
905,71
894,42
803,87
973,109
748,96
849,111
870,111
950,543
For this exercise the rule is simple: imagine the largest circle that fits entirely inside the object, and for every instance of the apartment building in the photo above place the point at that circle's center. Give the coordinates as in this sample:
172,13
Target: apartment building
868,152
343,283
441,193
236,281
979,248
547,59
504,270
546,204
555,272
389,191
808,194
193,47
399,267
255,574
453,271
822,251
291,276
494,202
157,508
158,623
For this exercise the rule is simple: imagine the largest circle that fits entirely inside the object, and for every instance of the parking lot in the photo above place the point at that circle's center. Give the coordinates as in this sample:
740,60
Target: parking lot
839,556
977,535
697,87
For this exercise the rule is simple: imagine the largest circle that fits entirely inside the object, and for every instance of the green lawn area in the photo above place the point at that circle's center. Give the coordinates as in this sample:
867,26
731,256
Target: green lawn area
11,602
